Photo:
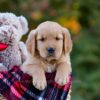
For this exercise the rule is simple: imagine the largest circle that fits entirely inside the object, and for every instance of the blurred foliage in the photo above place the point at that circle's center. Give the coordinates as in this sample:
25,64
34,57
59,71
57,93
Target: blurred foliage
82,18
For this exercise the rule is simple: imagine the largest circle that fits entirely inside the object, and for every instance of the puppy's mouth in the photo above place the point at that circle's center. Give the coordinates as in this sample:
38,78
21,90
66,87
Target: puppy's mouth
50,57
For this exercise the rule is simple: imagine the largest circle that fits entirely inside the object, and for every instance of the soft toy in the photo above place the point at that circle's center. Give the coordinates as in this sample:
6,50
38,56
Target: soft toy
12,50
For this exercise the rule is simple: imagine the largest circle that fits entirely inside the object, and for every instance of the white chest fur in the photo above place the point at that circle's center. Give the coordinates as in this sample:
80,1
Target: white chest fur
50,68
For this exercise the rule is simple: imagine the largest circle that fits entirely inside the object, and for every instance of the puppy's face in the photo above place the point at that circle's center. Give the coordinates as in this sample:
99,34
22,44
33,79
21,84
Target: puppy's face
50,40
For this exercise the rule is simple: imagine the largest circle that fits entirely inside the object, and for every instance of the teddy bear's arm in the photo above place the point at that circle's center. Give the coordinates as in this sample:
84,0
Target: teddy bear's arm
23,50
2,67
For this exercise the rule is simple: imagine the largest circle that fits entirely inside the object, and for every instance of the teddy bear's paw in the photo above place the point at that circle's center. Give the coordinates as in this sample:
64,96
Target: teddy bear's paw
39,83
2,67
61,79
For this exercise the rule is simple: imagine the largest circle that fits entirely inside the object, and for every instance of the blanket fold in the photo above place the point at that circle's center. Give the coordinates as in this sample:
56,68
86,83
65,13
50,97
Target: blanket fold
16,85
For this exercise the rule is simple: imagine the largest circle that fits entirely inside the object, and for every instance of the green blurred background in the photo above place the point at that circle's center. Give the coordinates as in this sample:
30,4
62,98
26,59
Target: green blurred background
82,18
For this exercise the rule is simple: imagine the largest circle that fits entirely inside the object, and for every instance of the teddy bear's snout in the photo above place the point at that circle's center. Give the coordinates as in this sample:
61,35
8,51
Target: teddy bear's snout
6,31
6,34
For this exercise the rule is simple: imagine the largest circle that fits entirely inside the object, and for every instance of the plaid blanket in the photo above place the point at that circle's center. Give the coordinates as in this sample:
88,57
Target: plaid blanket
16,85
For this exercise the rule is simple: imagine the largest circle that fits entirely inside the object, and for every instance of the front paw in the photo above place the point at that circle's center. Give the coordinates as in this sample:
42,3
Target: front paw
39,83
61,79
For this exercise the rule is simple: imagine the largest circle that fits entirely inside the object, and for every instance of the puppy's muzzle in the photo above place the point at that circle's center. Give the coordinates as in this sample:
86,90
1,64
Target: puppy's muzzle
51,51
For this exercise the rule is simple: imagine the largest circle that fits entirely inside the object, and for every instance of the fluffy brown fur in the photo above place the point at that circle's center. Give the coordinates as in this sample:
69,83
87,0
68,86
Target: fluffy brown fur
48,34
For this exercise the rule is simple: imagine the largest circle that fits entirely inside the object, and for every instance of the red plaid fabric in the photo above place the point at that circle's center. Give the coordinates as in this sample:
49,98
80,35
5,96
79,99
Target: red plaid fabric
15,85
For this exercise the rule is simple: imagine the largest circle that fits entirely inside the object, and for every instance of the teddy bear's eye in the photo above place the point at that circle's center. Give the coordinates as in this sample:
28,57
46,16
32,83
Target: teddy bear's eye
10,41
0,23
6,24
15,26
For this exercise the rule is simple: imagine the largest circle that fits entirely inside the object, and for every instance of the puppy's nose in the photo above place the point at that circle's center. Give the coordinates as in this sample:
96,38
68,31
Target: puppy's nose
51,50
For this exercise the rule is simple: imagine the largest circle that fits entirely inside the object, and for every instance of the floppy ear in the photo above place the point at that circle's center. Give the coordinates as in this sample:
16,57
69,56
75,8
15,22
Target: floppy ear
31,42
67,41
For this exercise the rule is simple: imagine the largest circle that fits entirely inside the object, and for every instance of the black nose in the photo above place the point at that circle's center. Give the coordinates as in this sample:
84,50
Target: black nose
50,50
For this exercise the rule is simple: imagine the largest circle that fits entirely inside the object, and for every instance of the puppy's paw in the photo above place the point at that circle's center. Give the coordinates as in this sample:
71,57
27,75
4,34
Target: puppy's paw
39,83
61,79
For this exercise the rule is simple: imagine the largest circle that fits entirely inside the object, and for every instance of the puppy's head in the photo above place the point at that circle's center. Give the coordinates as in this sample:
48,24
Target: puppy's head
49,41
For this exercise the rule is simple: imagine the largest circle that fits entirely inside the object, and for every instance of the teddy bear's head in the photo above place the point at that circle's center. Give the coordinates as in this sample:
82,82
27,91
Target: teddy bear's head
12,27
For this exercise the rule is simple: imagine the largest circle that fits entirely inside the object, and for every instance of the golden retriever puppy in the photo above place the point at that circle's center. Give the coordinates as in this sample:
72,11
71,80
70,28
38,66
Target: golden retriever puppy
49,47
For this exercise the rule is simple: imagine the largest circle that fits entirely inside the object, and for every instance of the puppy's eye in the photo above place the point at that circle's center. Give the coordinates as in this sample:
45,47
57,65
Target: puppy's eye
57,38
42,39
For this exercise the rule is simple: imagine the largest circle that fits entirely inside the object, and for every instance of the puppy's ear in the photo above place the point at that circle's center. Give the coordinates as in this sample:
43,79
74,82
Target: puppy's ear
31,42
67,41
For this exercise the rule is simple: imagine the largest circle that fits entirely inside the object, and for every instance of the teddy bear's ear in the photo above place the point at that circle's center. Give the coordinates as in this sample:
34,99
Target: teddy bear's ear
24,24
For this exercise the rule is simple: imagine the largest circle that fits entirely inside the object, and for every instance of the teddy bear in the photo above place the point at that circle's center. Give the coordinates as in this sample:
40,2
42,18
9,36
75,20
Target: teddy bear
12,50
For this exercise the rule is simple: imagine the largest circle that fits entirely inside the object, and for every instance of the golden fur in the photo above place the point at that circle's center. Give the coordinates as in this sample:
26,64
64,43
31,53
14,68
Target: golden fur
48,34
